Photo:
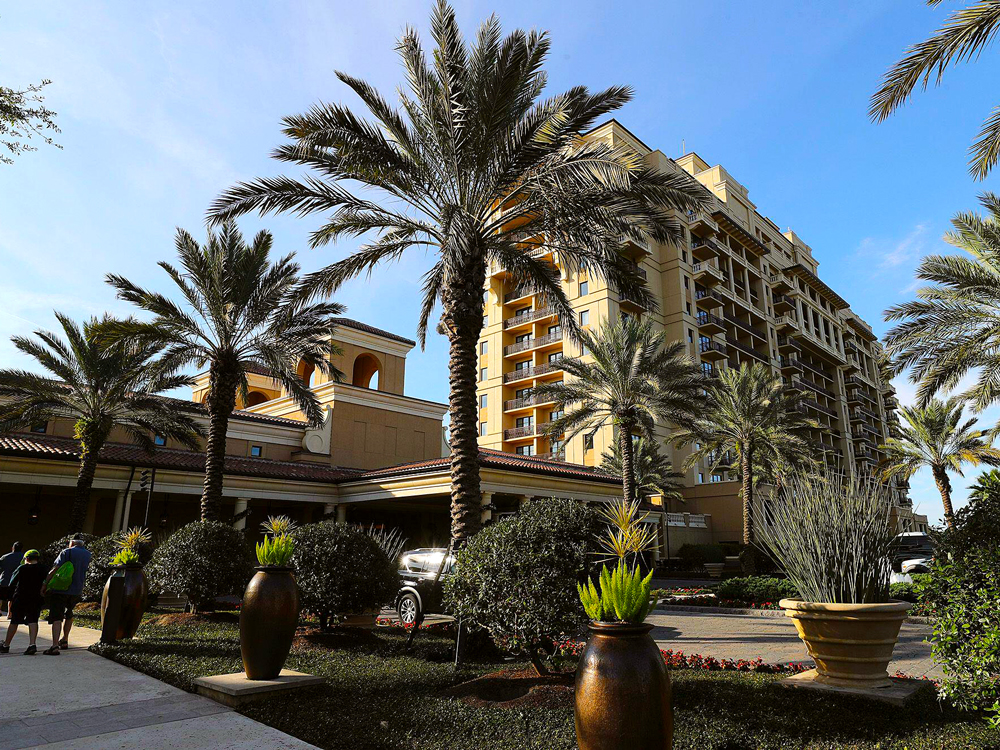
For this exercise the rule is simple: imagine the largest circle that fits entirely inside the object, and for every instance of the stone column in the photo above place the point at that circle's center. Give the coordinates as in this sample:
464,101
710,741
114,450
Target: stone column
116,523
523,499
342,513
486,514
329,508
241,505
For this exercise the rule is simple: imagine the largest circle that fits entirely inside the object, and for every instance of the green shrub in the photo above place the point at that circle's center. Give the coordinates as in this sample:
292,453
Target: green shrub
910,592
341,570
756,589
517,578
696,555
963,590
202,561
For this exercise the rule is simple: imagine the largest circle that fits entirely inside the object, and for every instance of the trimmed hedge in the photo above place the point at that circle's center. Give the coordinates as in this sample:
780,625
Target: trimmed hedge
755,589
697,555
202,561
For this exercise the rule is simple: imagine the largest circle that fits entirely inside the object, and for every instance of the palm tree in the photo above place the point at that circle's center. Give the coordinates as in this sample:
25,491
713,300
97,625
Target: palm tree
754,424
936,436
244,312
987,485
654,473
632,380
951,329
964,36
478,168
103,388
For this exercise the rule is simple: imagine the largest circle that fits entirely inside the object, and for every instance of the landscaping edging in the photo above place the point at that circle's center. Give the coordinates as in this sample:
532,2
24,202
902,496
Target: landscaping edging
668,608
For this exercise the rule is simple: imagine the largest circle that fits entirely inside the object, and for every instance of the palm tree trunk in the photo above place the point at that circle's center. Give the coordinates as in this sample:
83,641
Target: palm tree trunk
221,403
747,493
463,320
627,449
944,487
84,481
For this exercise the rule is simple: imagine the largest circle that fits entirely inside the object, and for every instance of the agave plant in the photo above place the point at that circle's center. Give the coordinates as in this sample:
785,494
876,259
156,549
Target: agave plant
278,526
133,538
125,556
275,551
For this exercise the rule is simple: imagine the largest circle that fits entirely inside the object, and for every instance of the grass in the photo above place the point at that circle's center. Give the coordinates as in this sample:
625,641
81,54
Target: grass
377,697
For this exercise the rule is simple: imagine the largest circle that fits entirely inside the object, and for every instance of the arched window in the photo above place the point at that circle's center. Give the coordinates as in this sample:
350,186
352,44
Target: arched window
366,370
255,397
307,373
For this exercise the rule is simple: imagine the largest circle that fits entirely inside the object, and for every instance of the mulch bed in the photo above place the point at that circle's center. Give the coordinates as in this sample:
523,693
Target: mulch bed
190,618
521,688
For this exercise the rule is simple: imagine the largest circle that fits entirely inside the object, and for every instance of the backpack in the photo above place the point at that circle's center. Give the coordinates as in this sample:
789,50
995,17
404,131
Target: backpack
62,578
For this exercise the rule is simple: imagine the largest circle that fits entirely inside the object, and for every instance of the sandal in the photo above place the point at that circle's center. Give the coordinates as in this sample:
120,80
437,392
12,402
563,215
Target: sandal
63,643
32,650
4,649
51,651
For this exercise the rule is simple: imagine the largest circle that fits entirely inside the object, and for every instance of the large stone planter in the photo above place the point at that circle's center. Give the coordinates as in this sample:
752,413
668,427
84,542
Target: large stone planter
622,691
268,618
134,593
714,570
851,643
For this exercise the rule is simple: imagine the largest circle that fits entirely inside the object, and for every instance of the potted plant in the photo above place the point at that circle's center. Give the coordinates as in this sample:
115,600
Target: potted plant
622,697
269,613
127,564
833,539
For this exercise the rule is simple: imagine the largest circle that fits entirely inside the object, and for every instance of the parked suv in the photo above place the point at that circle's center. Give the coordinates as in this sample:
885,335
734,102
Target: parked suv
419,595
912,552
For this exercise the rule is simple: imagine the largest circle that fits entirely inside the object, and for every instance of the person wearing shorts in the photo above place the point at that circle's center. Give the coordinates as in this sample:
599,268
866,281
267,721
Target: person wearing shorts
26,601
61,603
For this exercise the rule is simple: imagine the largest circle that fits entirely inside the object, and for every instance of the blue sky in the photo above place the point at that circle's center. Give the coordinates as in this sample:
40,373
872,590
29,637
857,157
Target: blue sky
163,105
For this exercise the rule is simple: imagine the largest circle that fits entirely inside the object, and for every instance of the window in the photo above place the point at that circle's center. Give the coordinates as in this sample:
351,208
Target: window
588,442
484,347
524,422
716,478
701,478
521,393
690,336
484,373
688,306
522,312
525,450
524,364
584,288
557,446
687,284
522,338
483,400
584,317
554,415
486,321
256,451
40,427
159,440
482,428
684,256
555,356
553,330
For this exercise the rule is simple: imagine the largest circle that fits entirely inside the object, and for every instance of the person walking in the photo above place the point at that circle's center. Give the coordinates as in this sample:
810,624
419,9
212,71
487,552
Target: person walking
25,601
62,598
8,564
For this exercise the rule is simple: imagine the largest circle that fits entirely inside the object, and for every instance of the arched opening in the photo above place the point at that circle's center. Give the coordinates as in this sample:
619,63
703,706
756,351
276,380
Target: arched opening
306,373
255,397
366,371
204,397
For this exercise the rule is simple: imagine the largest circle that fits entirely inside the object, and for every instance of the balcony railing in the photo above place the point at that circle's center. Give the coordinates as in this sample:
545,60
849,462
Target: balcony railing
552,456
519,432
533,343
707,347
517,320
745,349
745,326
521,291
786,320
709,296
524,403
530,372
707,319
785,342
817,388
701,243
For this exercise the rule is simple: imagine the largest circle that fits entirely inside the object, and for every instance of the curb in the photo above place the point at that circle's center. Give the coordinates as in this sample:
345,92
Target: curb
668,608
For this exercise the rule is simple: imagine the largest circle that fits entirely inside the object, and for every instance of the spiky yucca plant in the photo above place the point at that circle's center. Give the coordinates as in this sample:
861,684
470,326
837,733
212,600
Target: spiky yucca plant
278,525
476,169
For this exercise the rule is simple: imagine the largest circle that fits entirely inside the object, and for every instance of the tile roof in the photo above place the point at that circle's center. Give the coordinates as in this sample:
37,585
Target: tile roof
249,416
359,326
67,449
494,459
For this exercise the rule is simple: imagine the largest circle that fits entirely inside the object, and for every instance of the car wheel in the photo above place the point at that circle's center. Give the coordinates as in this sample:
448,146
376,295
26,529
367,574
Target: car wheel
408,609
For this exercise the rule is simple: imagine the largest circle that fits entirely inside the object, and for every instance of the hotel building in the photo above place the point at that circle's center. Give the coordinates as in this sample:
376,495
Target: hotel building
736,290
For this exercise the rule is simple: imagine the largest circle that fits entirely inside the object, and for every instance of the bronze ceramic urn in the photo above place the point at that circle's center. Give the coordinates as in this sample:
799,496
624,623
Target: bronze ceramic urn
622,691
134,594
268,618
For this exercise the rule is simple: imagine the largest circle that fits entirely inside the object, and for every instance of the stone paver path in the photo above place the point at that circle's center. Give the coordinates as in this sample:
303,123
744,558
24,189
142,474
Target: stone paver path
81,701
772,639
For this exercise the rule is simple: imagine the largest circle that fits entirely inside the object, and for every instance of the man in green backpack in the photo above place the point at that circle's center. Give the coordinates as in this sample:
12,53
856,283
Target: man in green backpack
63,589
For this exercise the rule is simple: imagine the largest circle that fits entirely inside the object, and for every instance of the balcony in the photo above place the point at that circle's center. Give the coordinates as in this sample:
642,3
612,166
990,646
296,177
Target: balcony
786,323
819,373
783,303
712,350
701,220
627,299
789,366
531,372
745,326
516,433
533,343
854,398
736,344
788,344
812,404
703,249
520,293
529,317
816,388
553,456
779,283
852,364
707,273
639,270
710,324
708,299
527,402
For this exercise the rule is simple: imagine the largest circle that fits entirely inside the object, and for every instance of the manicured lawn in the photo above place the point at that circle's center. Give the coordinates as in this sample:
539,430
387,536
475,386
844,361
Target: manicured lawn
377,697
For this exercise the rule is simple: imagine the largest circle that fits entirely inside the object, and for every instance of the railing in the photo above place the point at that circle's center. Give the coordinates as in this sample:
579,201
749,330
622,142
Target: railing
694,520
522,403
790,343
529,372
745,326
813,404
638,269
699,242
789,364
783,299
517,320
712,346
745,349
519,432
552,456
520,346
779,279
706,318
818,388
710,294
818,372
521,291
788,320
707,267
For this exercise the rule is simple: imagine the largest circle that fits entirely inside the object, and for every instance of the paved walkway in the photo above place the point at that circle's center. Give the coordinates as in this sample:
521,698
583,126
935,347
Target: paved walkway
772,639
83,701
